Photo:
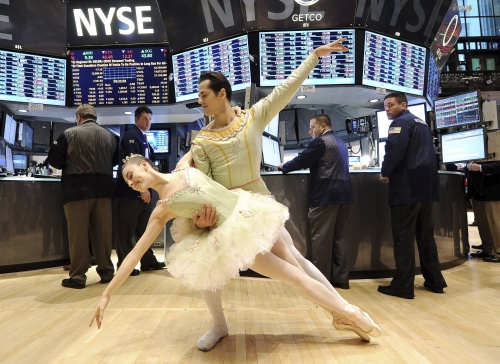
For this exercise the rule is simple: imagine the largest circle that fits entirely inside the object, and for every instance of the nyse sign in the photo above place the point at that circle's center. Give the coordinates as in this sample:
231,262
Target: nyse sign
94,22
124,15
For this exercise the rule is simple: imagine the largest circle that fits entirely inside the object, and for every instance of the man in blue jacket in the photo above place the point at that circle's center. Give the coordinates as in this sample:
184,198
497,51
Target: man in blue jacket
410,169
134,208
330,195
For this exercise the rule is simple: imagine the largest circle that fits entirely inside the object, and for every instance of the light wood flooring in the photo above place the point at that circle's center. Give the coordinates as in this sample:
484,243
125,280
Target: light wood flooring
153,319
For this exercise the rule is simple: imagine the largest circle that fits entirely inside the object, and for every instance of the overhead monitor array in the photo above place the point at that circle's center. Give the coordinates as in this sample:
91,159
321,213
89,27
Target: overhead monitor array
231,57
32,78
282,52
119,76
393,64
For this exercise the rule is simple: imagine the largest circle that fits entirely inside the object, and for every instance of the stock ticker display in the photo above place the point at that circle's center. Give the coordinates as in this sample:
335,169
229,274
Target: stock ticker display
282,52
393,64
230,57
32,78
120,76
458,110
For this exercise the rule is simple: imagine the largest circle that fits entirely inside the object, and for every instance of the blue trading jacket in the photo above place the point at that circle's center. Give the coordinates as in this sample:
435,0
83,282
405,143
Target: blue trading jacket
327,158
410,161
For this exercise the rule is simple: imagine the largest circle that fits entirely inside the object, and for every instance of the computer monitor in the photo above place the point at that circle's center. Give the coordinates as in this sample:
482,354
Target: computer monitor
3,146
231,57
354,160
273,127
120,76
281,52
458,110
32,78
20,161
271,153
9,164
9,129
463,146
159,140
26,135
419,110
393,64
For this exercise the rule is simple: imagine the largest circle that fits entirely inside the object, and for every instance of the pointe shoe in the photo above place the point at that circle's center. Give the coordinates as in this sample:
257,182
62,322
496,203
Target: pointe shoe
351,320
208,341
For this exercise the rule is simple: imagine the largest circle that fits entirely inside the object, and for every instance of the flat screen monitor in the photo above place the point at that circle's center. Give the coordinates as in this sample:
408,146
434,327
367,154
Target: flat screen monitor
3,146
273,127
433,79
32,78
458,110
271,153
354,160
159,140
230,57
9,129
393,64
26,135
9,164
283,51
463,146
119,76
419,110
20,161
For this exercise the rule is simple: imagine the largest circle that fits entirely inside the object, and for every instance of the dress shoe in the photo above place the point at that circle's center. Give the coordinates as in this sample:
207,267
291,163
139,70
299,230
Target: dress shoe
135,272
340,285
155,266
391,291
433,288
474,223
70,283
492,259
479,247
105,280
481,254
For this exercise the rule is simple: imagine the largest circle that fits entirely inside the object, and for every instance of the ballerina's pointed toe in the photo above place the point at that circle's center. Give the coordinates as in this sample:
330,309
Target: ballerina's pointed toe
349,322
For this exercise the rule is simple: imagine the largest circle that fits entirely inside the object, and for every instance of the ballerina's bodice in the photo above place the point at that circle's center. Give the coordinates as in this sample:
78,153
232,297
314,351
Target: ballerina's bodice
199,189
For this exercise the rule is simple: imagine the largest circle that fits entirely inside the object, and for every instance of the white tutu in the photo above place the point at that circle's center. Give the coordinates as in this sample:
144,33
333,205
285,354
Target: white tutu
206,259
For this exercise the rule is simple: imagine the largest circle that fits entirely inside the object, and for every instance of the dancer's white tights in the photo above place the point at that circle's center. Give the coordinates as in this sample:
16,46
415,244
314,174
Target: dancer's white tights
285,253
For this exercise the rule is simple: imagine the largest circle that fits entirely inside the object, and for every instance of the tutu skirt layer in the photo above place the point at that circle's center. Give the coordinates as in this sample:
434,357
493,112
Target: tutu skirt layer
205,259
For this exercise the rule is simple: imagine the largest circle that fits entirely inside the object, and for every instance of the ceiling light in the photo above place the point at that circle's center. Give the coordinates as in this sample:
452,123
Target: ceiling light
22,110
127,112
372,101
301,97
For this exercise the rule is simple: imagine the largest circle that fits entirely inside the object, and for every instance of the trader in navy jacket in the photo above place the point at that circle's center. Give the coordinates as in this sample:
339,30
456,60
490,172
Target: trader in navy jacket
330,195
410,169
134,208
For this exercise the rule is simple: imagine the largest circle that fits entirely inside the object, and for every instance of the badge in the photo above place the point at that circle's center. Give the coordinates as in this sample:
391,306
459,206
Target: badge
395,130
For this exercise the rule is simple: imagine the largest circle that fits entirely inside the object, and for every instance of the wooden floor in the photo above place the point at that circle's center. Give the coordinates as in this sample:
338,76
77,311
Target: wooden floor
153,319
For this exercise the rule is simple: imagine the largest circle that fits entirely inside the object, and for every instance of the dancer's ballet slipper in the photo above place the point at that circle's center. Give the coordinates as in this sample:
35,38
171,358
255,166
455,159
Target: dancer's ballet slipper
354,319
208,341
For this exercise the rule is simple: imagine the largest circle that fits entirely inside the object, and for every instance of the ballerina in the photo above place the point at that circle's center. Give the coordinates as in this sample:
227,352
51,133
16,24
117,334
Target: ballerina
247,234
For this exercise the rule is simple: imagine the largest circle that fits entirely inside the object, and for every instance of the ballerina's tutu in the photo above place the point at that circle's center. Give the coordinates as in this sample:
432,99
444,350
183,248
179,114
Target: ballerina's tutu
204,259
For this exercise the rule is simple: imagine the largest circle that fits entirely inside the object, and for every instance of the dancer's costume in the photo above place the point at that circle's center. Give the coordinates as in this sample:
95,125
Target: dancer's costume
231,155
249,224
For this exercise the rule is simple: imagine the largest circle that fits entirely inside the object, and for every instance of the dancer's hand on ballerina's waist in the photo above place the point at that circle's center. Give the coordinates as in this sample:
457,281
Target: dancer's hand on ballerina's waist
99,312
207,218
331,47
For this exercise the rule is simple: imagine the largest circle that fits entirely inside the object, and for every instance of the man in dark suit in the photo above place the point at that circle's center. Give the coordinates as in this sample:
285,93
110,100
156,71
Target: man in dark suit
330,195
410,169
134,208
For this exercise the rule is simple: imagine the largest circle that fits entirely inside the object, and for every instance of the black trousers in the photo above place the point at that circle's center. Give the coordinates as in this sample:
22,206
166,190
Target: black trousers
132,219
409,222
329,239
